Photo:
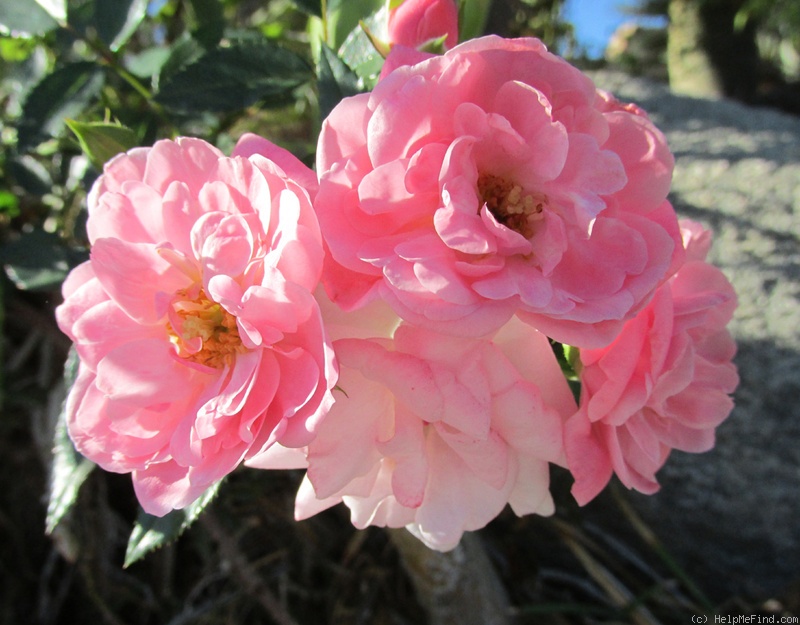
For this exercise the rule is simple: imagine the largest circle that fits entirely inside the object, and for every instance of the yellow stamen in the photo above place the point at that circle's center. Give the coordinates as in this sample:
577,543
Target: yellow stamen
200,317
510,205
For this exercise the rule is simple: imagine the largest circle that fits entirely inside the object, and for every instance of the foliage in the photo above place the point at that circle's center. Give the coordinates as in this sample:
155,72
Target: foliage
536,18
779,30
775,22
151,532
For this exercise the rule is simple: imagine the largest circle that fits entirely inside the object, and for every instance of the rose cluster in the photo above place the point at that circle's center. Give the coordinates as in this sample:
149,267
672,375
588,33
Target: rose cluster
396,322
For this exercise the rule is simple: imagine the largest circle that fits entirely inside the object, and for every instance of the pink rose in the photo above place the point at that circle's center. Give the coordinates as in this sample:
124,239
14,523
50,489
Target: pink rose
200,341
495,180
664,383
415,22
434,432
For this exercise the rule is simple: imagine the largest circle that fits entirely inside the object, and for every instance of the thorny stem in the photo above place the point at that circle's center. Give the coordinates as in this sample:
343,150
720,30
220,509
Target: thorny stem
243,570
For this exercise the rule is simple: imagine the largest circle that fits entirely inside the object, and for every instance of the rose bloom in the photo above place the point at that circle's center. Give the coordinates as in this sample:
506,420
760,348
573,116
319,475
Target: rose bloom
415,22
491,180
663,384
200,341
434,432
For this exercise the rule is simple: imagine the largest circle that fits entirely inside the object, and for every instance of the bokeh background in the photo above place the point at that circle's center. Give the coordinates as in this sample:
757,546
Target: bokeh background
721,77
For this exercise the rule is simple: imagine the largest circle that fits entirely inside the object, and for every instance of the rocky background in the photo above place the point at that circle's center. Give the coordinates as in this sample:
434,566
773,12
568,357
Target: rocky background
732,516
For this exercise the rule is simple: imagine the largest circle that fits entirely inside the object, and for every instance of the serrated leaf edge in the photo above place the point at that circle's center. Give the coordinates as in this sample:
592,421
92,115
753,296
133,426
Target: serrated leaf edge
190,513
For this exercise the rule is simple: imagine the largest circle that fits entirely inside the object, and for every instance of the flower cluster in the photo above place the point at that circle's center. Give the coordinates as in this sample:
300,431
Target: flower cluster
391,323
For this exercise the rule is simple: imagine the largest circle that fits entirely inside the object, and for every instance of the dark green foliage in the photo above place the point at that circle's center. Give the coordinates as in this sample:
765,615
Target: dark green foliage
152,532
335,80
60,95
312,7
38,260
116,20
210,22
233,78
358,52
25,18
30,175
101,141
533,18
768,25
69,469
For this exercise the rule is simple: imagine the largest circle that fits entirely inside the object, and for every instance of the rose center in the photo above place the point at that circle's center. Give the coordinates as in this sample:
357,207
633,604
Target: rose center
510,204
203,331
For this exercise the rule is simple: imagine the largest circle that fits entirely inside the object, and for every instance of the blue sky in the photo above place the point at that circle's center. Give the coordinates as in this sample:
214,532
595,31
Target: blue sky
595,21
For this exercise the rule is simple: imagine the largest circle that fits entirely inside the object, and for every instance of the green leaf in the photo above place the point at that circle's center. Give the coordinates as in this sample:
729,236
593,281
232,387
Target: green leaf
573,356
70,469
57,9
148,63
335,80
112,21
473,18
312,7
358,51
80,15
229,79
569,359
25,18
15,50
210,22
185,51
152,532
344,16
116,20
9,204
38,260
64,93
31,175
101,141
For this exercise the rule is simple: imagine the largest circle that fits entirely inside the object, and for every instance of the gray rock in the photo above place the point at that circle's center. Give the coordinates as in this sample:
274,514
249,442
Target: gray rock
732,516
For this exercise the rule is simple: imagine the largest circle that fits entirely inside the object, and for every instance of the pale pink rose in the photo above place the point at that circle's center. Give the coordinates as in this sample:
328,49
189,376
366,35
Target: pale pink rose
416,22
434,432
200,341
663,384
493,180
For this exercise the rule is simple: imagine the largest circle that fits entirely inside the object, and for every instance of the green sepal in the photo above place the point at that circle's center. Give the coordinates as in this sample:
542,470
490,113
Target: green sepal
434,46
